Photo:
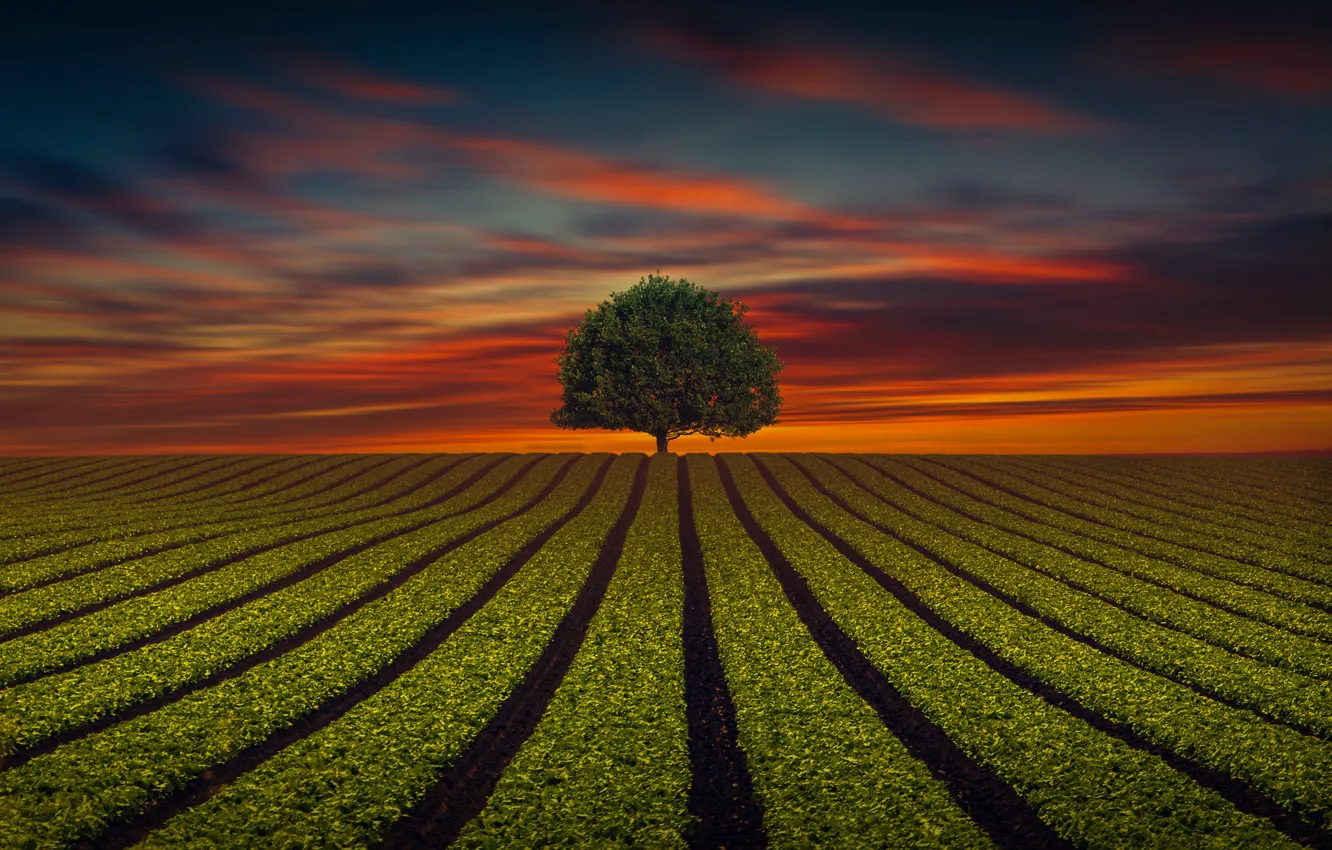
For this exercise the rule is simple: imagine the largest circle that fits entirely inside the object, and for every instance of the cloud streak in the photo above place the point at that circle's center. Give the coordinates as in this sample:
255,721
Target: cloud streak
860,354
907,91
323,264
1302,71
339,78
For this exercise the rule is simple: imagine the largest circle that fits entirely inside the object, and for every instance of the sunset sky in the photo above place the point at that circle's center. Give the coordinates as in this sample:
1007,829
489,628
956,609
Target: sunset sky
366,227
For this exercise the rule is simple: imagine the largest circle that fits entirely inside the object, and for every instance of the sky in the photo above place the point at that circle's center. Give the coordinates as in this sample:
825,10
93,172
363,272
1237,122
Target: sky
366,227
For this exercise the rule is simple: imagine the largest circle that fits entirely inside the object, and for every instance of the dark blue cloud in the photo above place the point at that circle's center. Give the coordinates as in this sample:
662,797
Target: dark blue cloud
35,224
1263,282
60,178
80,185
204,156
986,197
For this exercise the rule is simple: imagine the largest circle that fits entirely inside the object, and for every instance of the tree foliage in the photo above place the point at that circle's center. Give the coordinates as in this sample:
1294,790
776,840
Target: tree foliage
667,358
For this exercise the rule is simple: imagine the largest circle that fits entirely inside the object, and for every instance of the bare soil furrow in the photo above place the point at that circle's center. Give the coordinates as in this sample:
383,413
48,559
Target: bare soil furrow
1239,794
993,804
722,794
462,791
205,786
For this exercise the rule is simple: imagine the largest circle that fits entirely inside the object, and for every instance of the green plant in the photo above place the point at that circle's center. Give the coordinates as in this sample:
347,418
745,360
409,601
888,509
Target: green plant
667,358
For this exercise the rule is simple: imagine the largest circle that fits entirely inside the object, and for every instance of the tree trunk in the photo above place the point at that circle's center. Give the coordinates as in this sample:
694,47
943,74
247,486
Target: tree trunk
661,443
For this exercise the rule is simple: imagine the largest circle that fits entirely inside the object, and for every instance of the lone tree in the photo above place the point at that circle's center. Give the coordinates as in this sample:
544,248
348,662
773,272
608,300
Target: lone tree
667,358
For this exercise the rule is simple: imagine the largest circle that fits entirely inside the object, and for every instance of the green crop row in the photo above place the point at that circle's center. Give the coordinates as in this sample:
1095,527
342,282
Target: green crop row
53,486
369,490
1204,622
1216,501
86,496
1292,769
242,491
135,469
114,575
1088,504
110,548
70,469
244,478
336,491
224,486
1171,513
1003,511
69,523
1219,504
70,514
1300,485
984,524
1092,789
80,789
1288,497
1061,511
35,711
134,487
1152,512
342,785
187,493
18,495
608,765
177,527
200,522
1281,694
132,481
17,469
826,770
11,467
1099,487
291,492
1311,470
66,643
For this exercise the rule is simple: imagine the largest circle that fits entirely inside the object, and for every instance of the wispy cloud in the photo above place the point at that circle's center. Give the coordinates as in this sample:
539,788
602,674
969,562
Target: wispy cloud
213,300
905,90
378,147
338,77
1299,70
1289,64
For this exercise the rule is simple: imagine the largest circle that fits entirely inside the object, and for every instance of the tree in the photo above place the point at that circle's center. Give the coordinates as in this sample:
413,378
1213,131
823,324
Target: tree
667,358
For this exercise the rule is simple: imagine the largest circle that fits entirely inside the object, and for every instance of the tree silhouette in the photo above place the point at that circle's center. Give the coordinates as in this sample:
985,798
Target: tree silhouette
667,358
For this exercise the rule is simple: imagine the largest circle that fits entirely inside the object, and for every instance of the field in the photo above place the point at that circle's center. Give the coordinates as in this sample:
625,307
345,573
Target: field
594,650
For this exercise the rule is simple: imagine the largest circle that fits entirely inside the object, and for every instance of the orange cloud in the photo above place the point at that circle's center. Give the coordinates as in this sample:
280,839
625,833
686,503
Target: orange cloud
367,144
901,90
891,342
592,178
359,144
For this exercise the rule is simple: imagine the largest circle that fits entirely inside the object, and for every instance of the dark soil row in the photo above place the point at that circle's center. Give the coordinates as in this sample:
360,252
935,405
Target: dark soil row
1142,533
233,558
215,779
157,550
1240,795
461,792
721,795
22,756
1054,624
987,799
842,465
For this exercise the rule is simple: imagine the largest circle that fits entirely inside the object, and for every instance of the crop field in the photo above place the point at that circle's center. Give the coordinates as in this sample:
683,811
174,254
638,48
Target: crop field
595,650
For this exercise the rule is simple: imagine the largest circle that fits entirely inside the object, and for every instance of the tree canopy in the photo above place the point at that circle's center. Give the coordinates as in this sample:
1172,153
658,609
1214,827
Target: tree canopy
667,358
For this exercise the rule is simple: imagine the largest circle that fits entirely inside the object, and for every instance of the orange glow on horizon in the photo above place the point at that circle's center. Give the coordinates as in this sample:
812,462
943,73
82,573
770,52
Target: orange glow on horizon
1218,429
332,273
